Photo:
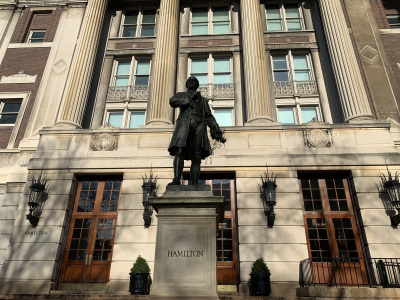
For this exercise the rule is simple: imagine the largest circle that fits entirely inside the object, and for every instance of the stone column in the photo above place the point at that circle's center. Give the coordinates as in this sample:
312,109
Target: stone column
352,94
163,77
238,89
77,90
319,78
256,76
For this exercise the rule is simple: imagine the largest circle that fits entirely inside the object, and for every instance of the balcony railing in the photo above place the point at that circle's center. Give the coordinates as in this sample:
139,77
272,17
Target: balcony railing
337,271
220,90
290,88
120,93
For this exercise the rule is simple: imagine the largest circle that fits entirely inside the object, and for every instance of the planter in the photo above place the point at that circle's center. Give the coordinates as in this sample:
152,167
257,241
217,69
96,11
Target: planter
139,283
260,284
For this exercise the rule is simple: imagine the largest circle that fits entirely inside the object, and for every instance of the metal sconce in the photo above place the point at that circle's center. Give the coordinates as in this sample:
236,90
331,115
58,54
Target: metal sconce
149,190
268,196
392,186
38,188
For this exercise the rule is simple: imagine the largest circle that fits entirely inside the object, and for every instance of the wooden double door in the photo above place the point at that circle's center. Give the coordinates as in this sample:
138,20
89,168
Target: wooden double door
90,242
333,237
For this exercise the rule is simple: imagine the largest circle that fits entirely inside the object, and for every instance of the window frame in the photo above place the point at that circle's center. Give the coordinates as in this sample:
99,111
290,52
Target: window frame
210,19
132,70
24,98
210,58
283,18
297,104
30,38
126,115
139,22
395,25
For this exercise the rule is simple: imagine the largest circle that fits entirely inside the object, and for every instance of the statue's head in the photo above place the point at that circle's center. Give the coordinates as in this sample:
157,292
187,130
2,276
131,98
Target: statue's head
191,79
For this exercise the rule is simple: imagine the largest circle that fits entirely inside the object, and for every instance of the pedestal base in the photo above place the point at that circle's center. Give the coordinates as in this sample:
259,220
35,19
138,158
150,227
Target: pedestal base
185,265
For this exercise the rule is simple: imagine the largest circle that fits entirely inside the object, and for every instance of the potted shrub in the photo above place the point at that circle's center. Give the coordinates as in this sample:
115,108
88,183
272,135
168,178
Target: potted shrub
260,283
140,280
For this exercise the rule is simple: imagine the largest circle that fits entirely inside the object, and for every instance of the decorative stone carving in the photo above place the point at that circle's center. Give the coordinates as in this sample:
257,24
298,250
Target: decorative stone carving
105,141
369,55
20,77
317,137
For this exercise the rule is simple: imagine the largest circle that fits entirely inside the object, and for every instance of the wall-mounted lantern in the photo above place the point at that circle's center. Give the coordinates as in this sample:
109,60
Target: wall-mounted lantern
268,193
149,190
38,188
392,186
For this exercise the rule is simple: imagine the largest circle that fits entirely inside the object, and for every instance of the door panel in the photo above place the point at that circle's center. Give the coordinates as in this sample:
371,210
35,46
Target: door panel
333,240
91,237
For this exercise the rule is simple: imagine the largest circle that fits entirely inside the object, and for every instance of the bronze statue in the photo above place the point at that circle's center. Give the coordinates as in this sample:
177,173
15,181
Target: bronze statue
190,140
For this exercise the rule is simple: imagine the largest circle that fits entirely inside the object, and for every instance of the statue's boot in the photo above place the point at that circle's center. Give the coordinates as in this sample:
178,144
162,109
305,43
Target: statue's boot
178,168
194,173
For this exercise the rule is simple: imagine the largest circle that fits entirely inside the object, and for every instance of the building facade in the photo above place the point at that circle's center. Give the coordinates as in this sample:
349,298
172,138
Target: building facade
306,90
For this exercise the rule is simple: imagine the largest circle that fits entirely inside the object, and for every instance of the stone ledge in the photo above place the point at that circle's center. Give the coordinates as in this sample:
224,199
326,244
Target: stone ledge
348,292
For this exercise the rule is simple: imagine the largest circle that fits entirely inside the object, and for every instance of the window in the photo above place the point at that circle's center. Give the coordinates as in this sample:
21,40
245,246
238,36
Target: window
139,23
212,20
394,21
211,70
223,117
126,118
9,111
140,73
36,36
283,16
297,114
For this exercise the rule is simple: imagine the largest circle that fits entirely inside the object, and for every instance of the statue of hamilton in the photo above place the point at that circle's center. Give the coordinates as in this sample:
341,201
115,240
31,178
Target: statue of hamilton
190,140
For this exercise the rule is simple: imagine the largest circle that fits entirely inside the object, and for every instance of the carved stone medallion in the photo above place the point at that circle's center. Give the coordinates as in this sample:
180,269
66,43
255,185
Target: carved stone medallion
104,142
318,138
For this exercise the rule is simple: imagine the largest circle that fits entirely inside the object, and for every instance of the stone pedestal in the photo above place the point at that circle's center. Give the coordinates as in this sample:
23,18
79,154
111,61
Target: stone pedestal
185,265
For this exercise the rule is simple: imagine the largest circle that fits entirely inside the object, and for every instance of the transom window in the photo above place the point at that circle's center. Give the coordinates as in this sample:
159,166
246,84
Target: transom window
283,16
212,20
394,21
126,118
9,111
139,23
36,36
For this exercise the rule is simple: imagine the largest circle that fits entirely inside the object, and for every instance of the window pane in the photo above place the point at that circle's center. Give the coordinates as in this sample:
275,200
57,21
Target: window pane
223,117
201,28
301,75
279,62
308,113
137,119
143,67
221,28
147,30
274,25
281,76
286,116
220,14
149,16
200,15
8,119
222,78
122,81
124,68
142,80
292,11
131,17
115,119
394,21
222,65
129,31
38,34
199,66
201,78
11,107
300,62
273,12
293,24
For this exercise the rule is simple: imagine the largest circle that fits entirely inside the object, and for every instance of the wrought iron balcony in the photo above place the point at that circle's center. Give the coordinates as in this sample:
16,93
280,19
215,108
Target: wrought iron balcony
120,93
358,272
290,88
220,90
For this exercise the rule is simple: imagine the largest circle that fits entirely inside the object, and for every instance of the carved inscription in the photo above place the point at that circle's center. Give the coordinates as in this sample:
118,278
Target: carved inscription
185,253
31,233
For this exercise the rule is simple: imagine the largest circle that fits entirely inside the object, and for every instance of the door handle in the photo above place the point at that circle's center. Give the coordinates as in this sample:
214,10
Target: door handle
90,259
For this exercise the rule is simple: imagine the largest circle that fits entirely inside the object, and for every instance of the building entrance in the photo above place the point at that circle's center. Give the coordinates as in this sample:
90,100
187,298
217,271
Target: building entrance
87,258
332,234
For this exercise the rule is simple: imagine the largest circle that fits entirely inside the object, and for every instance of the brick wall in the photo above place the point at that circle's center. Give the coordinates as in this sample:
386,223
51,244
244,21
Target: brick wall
37,20
32,61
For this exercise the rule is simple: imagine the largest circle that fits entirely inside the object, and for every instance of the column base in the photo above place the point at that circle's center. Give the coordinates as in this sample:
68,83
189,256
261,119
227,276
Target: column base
262,121
66,125
361,119
158,123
